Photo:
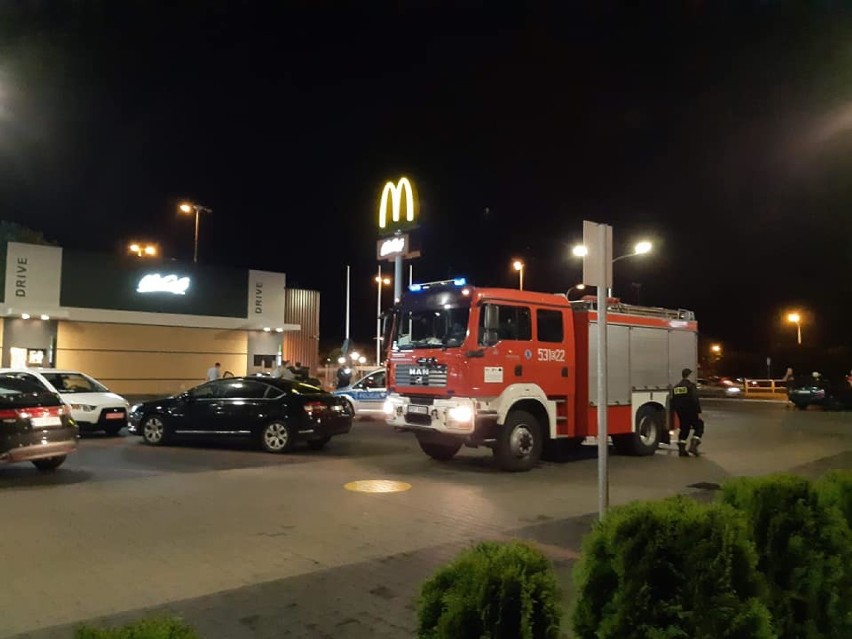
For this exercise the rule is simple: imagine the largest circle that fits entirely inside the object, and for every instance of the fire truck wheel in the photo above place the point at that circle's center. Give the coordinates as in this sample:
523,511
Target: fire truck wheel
519,443
646,439
439,450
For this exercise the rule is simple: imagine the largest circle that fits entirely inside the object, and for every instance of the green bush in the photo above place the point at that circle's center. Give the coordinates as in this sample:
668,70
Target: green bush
492,591
669,570
835,490
803,548
155,628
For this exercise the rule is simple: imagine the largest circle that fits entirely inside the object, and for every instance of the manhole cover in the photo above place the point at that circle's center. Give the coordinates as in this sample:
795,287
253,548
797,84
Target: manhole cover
377,486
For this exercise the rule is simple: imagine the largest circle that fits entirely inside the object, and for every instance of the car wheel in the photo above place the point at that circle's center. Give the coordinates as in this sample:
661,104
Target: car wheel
154,430
519,442
49,464
646,438
113,429
318,444
276,437
350,407
801,406
440,450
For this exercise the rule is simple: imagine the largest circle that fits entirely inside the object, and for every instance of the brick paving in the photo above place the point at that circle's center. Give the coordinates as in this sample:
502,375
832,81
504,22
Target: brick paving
245,544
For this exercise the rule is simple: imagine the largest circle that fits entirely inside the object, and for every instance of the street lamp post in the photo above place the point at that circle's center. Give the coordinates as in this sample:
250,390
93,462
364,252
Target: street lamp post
380,280
576,287
143,250
189,207
518,265
641,248
796,318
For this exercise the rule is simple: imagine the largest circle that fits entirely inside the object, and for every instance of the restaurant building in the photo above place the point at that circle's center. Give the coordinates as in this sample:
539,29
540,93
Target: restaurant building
145,326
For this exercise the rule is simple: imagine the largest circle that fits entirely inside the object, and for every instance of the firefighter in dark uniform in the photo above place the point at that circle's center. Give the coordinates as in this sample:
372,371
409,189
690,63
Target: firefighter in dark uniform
688,408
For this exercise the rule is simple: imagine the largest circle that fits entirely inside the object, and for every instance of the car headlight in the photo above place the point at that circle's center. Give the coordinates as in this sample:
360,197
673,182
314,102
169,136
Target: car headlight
460,413
84,407
733,390
388,407
135,408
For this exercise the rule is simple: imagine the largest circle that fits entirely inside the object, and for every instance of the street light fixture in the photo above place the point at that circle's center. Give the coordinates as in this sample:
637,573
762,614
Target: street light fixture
143,250
716,349
796,318
380,280
640,248
518,265
190,207
576,287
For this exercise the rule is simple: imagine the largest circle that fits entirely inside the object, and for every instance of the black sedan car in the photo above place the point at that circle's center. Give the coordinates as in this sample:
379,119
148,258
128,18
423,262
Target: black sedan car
35,425
276,413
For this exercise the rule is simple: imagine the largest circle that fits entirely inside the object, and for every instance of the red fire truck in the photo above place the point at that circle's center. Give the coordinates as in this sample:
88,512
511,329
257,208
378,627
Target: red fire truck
517,371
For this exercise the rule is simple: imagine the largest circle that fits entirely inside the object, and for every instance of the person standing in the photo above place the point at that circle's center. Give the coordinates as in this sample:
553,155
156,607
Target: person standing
688,408
214,372
344,377
282,371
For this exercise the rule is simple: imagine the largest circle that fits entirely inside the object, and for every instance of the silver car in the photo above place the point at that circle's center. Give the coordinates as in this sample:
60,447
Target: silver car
367,395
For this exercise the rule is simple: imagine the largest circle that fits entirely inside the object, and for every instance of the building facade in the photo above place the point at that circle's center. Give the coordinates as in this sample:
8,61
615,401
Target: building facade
149,327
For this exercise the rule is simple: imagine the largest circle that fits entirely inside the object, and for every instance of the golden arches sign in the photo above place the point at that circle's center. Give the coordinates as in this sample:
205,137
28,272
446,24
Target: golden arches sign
393,196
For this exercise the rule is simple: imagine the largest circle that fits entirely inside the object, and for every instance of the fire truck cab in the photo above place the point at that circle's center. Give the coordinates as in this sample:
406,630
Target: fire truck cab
516,371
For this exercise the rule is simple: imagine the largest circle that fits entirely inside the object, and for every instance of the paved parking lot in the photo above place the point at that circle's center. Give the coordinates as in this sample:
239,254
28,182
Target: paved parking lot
246,544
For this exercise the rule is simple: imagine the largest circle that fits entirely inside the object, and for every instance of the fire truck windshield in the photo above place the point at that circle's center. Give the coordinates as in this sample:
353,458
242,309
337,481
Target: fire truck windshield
436,320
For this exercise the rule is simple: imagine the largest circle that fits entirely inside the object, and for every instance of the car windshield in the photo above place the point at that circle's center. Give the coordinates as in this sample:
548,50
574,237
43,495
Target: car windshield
74,383
431,320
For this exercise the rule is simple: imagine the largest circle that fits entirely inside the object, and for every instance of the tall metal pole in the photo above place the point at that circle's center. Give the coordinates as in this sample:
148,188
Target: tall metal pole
799,332
603,434
347,302
397,274
195,252
521,271
410,274
379,319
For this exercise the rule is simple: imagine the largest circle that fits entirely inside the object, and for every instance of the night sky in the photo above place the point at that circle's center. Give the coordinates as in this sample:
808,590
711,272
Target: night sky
719,130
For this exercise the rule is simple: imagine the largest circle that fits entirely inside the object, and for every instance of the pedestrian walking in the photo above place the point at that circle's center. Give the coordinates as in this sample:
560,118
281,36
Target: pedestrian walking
214,372
688,408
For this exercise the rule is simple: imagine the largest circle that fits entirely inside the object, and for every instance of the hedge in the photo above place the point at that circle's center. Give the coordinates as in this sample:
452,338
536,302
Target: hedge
670,569
803,546
492,591
835,490
154,628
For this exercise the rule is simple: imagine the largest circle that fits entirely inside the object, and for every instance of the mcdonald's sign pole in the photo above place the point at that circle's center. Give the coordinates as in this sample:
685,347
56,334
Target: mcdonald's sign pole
391,225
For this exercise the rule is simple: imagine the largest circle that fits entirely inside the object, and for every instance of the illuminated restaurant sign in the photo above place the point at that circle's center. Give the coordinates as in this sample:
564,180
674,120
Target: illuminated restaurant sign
393,197
156,283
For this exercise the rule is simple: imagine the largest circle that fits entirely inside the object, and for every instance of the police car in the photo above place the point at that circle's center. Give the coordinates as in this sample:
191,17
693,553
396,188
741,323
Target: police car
367,395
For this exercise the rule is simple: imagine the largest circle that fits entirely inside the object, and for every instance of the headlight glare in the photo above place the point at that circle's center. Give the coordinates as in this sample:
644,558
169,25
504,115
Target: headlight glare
460,413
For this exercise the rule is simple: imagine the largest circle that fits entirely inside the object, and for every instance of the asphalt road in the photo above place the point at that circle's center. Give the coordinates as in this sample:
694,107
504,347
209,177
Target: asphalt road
248,544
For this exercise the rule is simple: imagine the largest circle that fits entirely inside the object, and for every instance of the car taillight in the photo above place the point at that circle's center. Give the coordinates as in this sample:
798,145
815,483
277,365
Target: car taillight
314,407
36,411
